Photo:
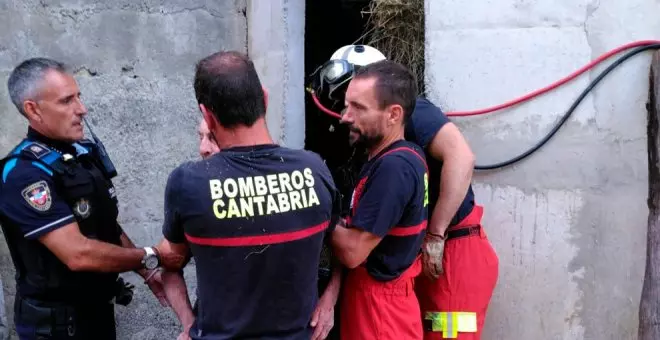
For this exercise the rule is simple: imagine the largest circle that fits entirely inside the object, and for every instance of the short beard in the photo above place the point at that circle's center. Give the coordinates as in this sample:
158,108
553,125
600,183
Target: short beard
367,142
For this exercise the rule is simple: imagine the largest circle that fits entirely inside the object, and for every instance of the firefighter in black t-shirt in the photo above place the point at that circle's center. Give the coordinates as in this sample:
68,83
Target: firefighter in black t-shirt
380,242
457,252
254,216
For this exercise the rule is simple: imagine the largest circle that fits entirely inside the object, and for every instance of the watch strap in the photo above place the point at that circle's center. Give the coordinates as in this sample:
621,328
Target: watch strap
150,251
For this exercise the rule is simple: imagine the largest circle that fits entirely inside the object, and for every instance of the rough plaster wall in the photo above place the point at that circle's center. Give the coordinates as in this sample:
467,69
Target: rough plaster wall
136,63
275,44
569,223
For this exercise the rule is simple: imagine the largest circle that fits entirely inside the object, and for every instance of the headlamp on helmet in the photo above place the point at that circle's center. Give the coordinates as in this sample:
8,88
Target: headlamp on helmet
330,80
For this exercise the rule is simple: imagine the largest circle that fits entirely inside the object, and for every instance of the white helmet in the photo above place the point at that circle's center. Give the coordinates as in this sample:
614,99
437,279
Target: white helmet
359,55
332,78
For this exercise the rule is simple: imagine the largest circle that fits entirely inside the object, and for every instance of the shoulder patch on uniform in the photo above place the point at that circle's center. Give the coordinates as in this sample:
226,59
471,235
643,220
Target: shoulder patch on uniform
37,195
37,149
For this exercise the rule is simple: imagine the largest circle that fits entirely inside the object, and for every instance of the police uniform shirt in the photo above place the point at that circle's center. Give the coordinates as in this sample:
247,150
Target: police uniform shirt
425,122
33,203
28,196
255,218
390,202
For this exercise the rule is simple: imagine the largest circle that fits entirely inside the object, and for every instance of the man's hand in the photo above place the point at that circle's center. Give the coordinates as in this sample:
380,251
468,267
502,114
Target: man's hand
154,281
432,252
323,318
183,336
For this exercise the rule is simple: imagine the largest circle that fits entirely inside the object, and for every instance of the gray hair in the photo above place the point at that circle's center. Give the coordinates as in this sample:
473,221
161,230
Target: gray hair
25,79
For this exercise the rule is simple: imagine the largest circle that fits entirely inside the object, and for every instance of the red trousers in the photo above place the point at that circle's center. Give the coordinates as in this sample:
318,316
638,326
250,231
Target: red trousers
470,270
372,309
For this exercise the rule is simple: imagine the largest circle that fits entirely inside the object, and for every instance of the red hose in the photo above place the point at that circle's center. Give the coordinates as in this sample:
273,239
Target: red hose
323,108
527,96
556,84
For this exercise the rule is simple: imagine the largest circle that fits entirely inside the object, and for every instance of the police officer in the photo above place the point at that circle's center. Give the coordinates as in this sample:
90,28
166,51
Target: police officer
58,210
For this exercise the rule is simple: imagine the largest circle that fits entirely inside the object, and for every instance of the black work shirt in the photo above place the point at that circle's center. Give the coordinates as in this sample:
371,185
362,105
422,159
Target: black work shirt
255,219
390,202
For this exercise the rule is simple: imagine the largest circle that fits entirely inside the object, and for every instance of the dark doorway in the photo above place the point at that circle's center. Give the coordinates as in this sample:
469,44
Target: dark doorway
329,25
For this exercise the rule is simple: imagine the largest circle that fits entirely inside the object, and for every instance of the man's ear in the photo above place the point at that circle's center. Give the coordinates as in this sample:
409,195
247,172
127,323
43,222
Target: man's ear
265,97
32,112
396,114
208,117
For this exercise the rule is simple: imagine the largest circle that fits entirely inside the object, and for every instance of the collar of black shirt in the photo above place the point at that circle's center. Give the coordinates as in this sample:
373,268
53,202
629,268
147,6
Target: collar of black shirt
252,148
394,145
59,146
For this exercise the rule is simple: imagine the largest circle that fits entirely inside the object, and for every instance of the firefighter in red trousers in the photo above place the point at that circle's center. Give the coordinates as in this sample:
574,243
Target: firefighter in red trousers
380,240
459,263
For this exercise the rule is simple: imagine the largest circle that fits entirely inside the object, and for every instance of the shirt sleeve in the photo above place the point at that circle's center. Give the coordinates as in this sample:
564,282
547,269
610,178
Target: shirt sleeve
172,226
30,199
426,120
385,195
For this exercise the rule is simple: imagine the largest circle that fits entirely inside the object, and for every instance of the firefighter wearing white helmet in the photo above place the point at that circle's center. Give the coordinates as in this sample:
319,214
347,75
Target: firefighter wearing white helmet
460,266
330,80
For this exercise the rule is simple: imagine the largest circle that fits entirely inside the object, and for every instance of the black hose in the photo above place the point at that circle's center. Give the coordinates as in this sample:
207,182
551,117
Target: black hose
570,110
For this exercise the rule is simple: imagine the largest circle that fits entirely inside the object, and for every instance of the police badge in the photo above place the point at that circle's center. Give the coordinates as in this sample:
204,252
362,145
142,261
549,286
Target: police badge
37,195
82,208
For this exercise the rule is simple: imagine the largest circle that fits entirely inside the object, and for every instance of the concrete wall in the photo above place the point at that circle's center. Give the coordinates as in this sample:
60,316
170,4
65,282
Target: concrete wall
136,62
275,43
569,223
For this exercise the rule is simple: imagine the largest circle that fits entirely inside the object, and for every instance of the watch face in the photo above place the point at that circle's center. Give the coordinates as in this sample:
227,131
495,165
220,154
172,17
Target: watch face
151,262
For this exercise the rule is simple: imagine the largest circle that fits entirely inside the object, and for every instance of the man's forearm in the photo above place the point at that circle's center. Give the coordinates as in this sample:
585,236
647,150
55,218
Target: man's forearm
352,246
100,256
454,182
332,290
177,295
344,244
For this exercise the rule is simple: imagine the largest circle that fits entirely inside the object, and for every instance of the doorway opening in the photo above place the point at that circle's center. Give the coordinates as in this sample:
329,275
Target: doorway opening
329,25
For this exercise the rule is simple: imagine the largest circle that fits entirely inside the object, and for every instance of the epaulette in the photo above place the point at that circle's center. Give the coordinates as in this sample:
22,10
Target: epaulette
40,155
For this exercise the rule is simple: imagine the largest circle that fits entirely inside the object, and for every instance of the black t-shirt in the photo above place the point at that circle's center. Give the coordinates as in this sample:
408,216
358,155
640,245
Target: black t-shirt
390,201
426,120
255,218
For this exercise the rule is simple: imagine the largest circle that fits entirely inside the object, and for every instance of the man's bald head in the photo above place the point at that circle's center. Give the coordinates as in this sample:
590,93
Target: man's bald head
227,84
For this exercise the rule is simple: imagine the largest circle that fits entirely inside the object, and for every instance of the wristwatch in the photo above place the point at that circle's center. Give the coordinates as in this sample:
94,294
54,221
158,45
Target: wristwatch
150,260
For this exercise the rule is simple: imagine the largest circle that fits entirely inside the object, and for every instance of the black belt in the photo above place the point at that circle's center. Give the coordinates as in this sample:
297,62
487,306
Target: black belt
463,232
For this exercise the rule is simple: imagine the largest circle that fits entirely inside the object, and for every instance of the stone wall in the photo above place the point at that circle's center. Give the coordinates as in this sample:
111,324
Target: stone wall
569,222
135,63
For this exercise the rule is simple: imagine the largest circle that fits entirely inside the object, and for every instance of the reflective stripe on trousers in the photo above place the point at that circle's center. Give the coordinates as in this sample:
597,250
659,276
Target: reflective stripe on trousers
451,323
470,270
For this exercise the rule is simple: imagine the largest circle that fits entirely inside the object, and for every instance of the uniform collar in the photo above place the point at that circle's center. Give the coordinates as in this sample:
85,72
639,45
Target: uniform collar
395,144
60,146
252,148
